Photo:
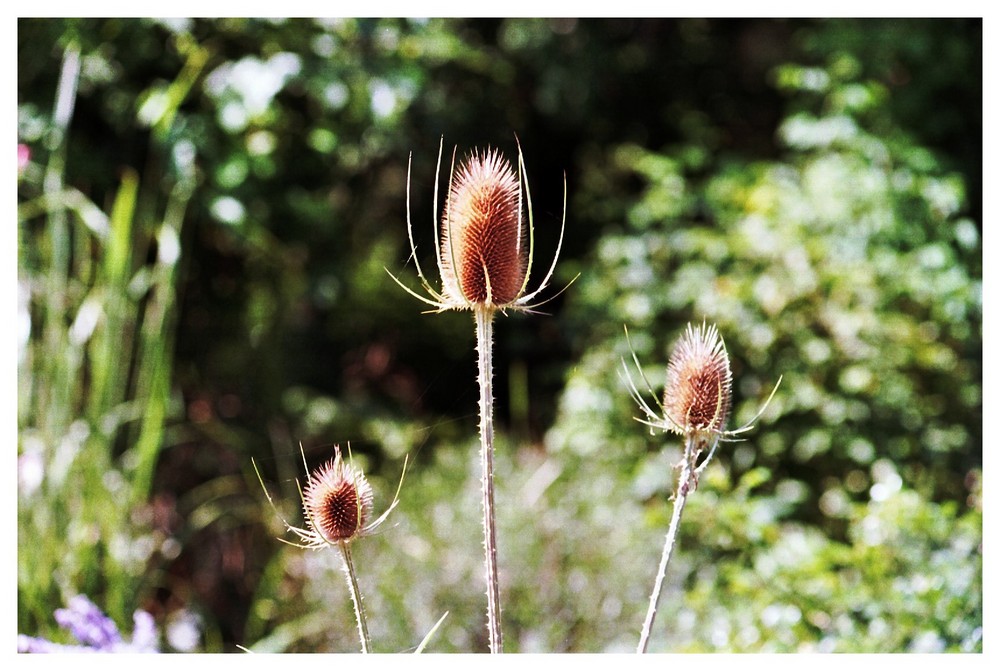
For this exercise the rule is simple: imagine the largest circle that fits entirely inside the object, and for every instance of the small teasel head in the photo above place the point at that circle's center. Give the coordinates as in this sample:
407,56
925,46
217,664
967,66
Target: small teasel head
698,395
337,501
699,391
483,254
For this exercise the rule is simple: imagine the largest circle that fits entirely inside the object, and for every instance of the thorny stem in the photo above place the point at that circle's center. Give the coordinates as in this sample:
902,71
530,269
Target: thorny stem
484,345
359,608
685,485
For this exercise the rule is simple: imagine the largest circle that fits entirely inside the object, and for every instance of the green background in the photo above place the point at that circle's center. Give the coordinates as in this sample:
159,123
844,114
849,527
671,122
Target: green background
204,228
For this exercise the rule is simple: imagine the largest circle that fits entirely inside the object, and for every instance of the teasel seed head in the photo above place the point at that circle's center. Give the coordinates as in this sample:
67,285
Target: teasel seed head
337,501
483,255
698,394
486,247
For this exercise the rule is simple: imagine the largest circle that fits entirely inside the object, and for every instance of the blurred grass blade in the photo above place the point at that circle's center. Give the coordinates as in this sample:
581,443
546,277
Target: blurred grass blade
430,635
110,371
69,199
54,408
178,90
156,341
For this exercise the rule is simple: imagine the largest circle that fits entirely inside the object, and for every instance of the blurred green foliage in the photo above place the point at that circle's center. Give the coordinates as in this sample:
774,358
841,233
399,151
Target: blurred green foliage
204,227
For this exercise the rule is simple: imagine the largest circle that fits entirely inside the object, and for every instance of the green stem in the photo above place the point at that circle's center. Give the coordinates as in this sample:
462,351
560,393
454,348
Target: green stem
685,485
359,609
484,345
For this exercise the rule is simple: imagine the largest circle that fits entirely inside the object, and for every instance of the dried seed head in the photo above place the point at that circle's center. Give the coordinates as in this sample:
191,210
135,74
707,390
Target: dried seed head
698,394
483,255
337,501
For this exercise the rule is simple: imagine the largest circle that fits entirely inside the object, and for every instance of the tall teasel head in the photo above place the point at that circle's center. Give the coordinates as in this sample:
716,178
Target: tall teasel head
698,394
337,502
483,255
486,246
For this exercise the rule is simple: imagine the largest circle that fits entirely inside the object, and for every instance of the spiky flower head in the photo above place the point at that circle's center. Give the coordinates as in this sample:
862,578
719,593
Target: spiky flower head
483,256
486,246
698,394
337,502
697,397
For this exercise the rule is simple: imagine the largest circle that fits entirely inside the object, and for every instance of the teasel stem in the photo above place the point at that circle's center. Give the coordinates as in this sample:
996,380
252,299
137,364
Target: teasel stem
359,608
484,345
685,485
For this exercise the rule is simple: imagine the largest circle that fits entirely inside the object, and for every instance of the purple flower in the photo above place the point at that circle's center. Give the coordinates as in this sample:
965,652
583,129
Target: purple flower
95,631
